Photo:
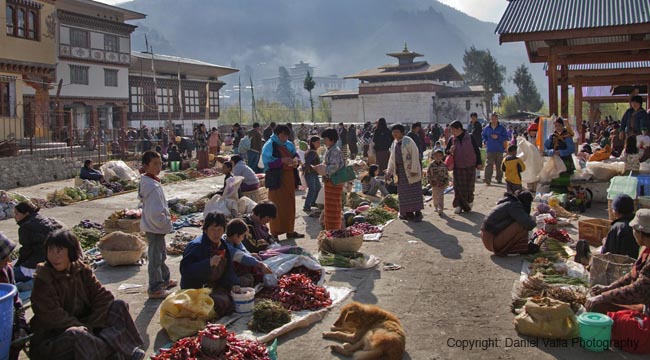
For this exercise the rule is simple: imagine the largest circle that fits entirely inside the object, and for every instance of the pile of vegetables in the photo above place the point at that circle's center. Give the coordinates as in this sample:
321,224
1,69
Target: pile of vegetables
298,292
348,232
234,349
179,242
365,228
88,233
268,315
126,214
343,259
379,216
390,201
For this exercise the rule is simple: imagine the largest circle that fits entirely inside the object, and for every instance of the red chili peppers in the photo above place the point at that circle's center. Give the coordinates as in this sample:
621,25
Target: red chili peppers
298,292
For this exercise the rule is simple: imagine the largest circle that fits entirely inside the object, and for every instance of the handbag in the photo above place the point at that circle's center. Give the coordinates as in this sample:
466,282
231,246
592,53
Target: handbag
449,162
343,175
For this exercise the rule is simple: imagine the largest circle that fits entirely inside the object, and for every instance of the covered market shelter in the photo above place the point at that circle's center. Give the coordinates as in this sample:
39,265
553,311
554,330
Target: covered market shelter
583,43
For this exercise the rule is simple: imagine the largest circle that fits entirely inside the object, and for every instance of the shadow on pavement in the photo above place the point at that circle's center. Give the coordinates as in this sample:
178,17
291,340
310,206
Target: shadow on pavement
107,274
362,280
512,263
463,226
434,237
142,321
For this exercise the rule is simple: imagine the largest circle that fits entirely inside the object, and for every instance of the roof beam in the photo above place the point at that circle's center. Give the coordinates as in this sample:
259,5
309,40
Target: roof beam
605,57
594,48
606,72
610,80
576,33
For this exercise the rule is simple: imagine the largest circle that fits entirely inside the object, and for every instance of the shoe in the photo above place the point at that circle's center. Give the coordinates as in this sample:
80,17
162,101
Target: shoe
457,210
418,216
499,182
138,354
160,294
441,213
307,211
172,284
403,216
295,235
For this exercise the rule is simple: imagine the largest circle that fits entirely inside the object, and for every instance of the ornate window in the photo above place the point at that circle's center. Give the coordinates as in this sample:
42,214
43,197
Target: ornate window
79,38
137,99
110,77
214,101
111,43
23,19
191,101
165,100
79,74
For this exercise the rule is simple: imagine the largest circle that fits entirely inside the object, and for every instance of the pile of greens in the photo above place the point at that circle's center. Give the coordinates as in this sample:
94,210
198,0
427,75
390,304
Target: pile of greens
378,216
390,201
88,237
268,315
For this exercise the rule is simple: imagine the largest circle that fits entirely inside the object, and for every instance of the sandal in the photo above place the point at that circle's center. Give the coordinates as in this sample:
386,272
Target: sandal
171,284
295,235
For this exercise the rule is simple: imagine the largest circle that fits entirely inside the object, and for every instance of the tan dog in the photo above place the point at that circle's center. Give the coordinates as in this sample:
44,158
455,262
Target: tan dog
369,332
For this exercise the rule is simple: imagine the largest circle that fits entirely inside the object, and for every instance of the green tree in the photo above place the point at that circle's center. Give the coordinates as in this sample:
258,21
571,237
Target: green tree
481,68
509,106
285,91
527,97
309,85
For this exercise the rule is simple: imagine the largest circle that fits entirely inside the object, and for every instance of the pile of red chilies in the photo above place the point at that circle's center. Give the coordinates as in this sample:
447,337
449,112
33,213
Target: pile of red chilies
559,235
298,292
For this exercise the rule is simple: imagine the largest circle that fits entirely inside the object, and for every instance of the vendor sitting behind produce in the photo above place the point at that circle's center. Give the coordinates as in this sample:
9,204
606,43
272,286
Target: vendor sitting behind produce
505,229
620,239
251,182
632,290
88,173
248,267
259,237
208,262
20,327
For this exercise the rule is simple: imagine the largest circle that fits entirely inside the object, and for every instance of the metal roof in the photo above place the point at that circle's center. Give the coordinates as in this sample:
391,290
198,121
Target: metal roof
607,66
173,64
527,16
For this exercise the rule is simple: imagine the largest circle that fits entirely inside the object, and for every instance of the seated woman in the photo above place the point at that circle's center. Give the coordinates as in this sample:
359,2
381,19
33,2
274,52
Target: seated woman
88,173
248,267
620,239
505,228
208,262
251,182
259,237
33,229
75,317
370,184
632,291
7,277
173,155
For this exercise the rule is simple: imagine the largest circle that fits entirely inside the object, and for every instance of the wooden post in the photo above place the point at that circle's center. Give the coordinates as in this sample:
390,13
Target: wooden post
564,97
552,85
577,110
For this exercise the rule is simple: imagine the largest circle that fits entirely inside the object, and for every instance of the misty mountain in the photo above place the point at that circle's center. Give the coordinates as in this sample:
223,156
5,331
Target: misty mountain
336,36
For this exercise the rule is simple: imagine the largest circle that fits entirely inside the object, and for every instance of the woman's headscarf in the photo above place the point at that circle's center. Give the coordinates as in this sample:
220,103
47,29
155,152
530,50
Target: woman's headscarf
267,150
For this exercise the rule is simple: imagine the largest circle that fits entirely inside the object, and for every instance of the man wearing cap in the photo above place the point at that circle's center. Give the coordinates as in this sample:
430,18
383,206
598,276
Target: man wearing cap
632,290
620,239
7,277
495,137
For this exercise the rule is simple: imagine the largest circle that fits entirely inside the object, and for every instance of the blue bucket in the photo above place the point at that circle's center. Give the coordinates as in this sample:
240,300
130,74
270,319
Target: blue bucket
7,293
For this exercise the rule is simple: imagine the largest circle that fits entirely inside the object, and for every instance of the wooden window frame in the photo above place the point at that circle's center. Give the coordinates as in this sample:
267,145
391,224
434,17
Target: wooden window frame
72,31
214,101
76,81
106,43
106,77
5,99
136,99
29,31
165,100
191,101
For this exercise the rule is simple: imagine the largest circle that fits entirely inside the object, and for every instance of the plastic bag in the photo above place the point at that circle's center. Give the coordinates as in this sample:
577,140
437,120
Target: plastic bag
534,161
605,171
553,167
547,318
185,312
119,169
221,205
320,199
283,263
245,205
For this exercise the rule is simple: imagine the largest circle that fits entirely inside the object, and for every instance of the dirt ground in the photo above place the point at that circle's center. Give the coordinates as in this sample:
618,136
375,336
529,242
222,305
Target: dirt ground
452,296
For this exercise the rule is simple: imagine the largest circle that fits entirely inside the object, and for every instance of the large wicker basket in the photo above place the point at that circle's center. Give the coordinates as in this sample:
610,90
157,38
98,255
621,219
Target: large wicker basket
607,268
338,245
122,257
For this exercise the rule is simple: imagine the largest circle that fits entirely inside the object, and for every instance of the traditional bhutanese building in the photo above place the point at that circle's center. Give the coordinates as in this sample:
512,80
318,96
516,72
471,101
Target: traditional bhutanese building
407,92
181,91
27,65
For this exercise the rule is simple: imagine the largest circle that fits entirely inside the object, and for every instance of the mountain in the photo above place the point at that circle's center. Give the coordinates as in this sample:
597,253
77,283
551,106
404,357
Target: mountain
336,36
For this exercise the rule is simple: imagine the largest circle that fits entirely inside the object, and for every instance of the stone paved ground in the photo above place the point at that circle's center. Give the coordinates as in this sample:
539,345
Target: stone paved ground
449,290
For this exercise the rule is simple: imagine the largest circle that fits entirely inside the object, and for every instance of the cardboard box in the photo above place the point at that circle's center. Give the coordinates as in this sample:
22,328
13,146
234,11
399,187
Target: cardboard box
593,230
123,225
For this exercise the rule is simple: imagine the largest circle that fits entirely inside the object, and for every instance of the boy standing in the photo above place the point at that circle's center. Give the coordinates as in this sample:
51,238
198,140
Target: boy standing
438,176
155,222
512,166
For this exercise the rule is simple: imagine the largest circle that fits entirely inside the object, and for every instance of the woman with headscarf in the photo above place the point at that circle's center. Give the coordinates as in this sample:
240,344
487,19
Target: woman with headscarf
382,140
404,164
333,161
201,142
505,229
467,158
281,167
560,143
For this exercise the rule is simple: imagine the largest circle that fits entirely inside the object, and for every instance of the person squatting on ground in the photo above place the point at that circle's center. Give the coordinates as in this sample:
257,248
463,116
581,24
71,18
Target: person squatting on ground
370,185
505,229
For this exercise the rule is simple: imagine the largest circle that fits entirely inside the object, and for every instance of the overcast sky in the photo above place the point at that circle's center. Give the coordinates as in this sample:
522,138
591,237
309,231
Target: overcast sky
486,10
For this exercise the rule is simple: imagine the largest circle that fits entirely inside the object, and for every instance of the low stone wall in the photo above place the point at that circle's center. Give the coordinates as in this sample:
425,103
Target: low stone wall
27,170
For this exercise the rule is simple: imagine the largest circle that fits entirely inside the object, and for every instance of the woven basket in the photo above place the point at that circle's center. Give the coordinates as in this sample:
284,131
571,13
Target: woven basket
117,258
337,245
607,268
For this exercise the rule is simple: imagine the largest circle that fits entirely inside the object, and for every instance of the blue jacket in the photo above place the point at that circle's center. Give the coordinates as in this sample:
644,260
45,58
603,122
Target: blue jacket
195,265
562,144
90,174
495,145
638,118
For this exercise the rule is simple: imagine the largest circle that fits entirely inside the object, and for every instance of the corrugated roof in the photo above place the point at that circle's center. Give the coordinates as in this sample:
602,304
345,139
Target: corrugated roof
392,71
527,16
607,66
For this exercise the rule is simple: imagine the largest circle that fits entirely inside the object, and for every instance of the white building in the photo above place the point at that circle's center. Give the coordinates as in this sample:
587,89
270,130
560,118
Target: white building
298,73
407,92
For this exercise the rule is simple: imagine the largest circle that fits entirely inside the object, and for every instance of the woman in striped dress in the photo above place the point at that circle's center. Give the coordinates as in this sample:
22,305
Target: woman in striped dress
333,161
404,164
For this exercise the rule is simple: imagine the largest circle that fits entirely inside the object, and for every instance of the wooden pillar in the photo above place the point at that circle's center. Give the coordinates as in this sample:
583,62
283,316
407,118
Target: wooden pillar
647,104
577,110
123,117
564,86
552,86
